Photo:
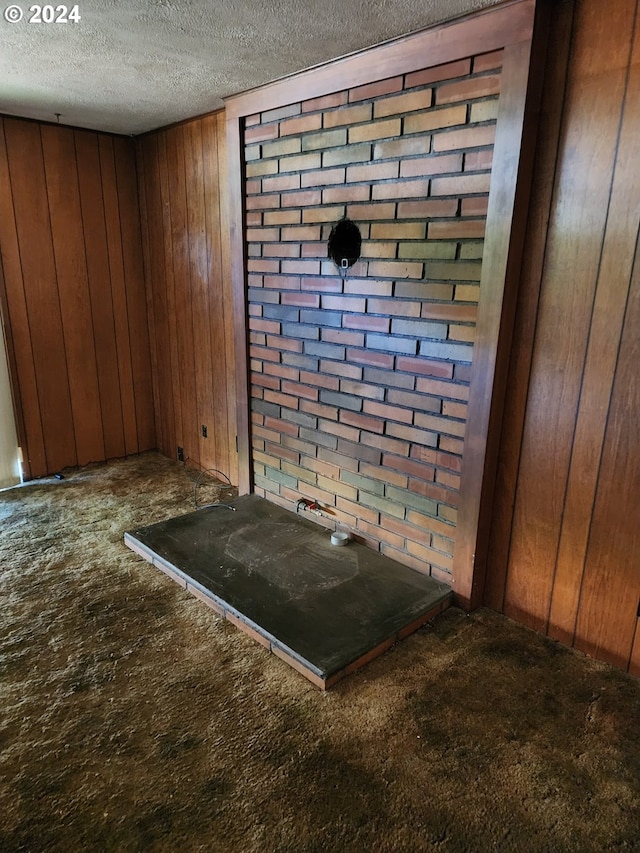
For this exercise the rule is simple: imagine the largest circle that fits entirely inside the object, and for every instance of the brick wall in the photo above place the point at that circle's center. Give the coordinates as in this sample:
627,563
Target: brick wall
359,384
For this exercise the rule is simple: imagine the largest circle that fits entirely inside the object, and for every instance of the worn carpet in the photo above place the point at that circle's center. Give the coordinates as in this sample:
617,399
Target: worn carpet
134,719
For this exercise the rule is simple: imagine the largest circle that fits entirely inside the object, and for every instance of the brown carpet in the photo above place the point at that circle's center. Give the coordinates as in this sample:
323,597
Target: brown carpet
134,719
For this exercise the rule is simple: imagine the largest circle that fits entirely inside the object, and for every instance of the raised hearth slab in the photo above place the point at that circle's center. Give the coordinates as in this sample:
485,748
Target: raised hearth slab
326,610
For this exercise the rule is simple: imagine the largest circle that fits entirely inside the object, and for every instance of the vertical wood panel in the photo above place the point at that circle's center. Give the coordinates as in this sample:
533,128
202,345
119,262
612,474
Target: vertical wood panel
233,393
560,29
118,292
610,592
33,224
146,154
135,290
573,550
175,389
183,178
16,319
73,295
200,282
589,138
103,320
73,290
616,264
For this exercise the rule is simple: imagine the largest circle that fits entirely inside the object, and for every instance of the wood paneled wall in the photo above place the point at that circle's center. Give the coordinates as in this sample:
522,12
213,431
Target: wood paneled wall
565,544
73,295
182,179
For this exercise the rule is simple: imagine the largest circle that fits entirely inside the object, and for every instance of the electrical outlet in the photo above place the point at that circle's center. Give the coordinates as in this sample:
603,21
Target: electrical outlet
180,454
204,431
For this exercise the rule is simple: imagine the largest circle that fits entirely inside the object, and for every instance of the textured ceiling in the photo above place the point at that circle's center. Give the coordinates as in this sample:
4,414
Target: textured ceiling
130,66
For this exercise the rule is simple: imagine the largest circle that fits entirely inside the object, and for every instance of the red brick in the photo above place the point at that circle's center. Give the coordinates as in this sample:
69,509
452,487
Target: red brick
386,475
409,467
369,287
375,90
449,311
339,429
254,217
282,282
461,185
259,325
374,359
300,390
341,336
281,426
432,165
396,269
378,532
306,267
446,460
303,198
356,192
323,177
386,444
451,445
299,163
264,381
314,250
395,307
323,285
373,172
319,409
355,419
468,137
281,250
282,371
281,399
323,214
302,124
427,209
446,478
384,210
344,303
348,115
260,133
254,265
436,119
438,72
281,217
250,121
297,233
403,189
379,250
402,104
488,61
304,300
478,160
320,467
475,206
457,229
288,344
319,379
260,202
393,413
443,389
410,146
263,353
375,130
341,369
263,234
429,555
366,322
253,187
424,366
467,90
282,182
434,525
326,102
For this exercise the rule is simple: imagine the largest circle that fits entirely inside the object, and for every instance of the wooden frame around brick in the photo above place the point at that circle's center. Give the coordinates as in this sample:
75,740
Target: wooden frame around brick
509,26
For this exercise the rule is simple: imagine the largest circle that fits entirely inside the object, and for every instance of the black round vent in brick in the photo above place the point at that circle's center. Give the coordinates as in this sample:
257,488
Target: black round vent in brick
345,243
